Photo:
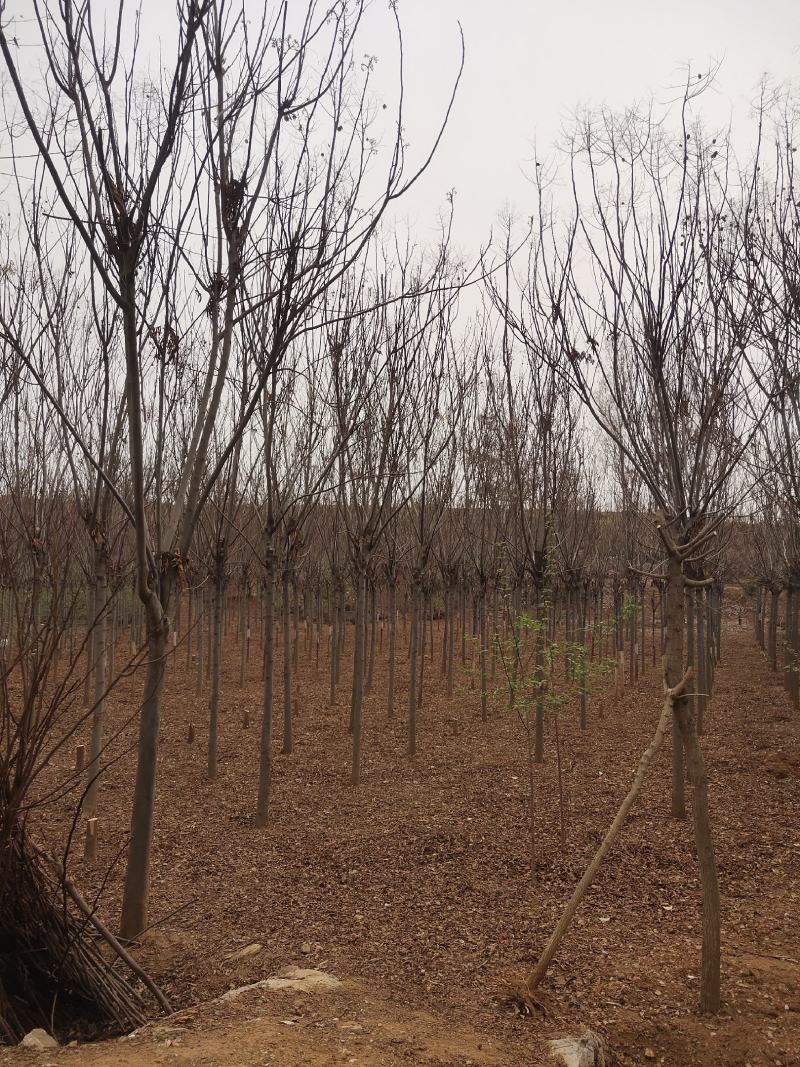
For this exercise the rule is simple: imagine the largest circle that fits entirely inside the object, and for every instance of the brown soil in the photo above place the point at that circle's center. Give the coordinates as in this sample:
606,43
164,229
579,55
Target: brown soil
416,888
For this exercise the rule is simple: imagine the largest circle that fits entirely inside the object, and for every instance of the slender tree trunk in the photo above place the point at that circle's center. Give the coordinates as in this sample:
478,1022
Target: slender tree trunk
451,644
190,596
482,638
216,624
359,655
412,683
392,646
373,636
100,588
674,671
91,615
710,976
244,631
287,664
334,646
265,749
773,630
541,629
703,666
137,876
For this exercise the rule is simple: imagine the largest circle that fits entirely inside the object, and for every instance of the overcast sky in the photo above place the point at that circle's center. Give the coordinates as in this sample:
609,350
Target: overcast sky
528,67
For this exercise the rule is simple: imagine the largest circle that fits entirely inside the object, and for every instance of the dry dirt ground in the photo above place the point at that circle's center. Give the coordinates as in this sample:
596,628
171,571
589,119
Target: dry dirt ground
417,889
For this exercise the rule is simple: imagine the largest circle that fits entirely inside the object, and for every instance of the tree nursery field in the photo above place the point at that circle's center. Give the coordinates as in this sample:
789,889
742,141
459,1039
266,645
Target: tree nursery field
399,595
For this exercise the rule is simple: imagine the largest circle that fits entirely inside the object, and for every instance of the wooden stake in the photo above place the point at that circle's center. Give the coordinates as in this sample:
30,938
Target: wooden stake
90,843
80,758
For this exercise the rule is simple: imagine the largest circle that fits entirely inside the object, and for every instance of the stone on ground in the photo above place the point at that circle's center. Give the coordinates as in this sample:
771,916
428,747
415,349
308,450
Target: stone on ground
584,1051
38,1038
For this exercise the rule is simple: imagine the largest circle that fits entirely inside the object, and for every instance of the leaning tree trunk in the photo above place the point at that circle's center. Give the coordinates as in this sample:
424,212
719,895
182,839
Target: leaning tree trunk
522,992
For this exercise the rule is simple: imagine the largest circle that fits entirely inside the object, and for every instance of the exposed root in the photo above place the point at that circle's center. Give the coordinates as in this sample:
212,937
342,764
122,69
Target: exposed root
514,993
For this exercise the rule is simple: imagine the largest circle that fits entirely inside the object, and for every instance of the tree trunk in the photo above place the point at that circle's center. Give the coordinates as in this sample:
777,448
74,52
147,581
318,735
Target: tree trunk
392,646
359,655
98,644
137,875
674,670
287,664
773,629
541,617
710,977
217,609
265,749
412,682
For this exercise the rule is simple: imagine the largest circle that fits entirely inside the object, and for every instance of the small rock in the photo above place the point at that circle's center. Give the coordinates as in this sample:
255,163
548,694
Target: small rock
38,1038
297,979
305,948
585,1051
242,953
302,980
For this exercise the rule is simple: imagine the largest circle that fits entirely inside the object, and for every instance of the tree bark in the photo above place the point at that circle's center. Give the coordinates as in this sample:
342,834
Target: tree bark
137,878
265,748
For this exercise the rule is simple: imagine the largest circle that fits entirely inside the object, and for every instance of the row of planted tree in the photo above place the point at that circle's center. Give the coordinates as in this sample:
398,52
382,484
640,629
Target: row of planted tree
232,381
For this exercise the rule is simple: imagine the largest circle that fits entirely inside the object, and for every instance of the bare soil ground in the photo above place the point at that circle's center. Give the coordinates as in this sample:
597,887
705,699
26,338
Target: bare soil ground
417,887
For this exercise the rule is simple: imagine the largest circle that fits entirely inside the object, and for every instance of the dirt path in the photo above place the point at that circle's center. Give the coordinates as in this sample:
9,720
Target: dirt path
353,1025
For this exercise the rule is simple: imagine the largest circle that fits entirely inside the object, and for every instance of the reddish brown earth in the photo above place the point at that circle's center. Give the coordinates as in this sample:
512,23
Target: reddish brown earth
416,888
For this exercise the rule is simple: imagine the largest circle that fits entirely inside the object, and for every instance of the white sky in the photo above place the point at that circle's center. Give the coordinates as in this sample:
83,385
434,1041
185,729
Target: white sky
528,67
